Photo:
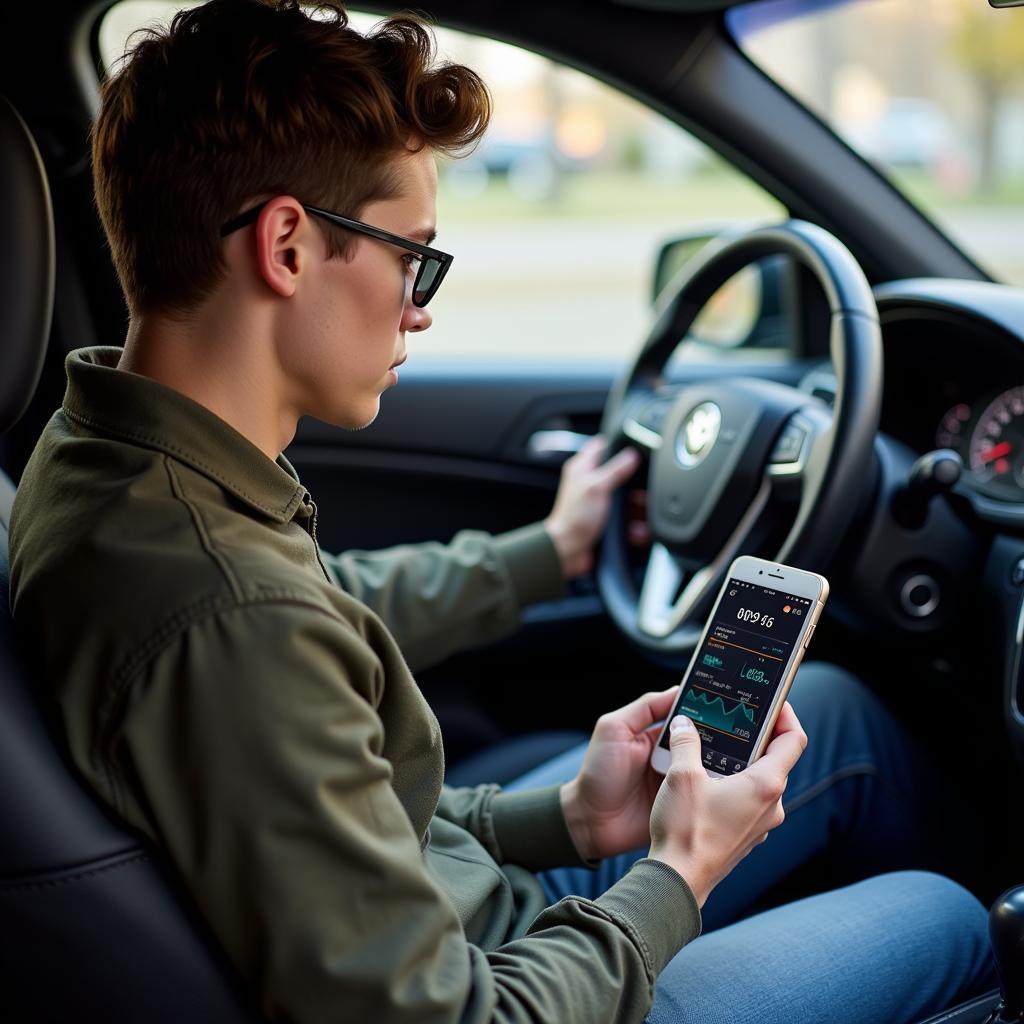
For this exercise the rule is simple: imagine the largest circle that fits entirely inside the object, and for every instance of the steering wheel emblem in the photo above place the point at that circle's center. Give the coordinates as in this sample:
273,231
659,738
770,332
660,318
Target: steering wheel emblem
698,434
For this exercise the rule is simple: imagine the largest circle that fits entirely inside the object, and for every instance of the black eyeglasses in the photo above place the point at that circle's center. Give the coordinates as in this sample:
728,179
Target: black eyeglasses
434,264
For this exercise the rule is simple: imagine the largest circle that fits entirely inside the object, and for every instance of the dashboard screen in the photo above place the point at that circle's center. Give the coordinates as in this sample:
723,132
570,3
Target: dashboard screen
738,670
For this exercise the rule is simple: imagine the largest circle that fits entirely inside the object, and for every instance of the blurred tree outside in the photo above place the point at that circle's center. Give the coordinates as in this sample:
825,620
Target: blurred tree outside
989,44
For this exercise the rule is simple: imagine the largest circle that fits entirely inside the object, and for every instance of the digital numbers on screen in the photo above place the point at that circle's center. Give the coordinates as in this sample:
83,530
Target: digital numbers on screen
749,615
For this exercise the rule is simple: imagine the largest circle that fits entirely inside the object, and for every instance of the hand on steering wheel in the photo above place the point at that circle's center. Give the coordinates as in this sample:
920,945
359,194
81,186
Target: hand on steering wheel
721,449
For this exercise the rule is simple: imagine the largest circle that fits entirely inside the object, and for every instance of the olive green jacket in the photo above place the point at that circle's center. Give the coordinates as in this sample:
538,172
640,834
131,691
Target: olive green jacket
245,700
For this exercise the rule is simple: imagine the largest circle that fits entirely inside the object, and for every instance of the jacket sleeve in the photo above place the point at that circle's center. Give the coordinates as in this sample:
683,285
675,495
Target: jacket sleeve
525,827
253,744
440,598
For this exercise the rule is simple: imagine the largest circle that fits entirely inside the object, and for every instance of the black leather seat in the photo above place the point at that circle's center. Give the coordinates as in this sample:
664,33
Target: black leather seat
92,924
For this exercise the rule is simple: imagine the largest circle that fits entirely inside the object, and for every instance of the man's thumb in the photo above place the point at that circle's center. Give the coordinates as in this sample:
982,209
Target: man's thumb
684,742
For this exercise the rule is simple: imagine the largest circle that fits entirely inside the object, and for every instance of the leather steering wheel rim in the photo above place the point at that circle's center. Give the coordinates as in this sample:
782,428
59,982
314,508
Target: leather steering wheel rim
840,460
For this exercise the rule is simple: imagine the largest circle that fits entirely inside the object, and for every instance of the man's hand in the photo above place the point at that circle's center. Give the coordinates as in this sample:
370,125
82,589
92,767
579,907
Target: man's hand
704,827
608,805
582,503
700,826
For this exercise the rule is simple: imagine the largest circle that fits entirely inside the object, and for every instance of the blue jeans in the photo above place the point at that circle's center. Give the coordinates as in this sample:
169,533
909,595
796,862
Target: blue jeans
894,947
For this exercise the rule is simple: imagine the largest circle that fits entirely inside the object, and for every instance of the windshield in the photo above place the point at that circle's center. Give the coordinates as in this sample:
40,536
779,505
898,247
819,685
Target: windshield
930,91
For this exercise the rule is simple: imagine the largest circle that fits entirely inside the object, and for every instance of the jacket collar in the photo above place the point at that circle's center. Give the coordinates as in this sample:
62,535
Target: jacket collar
144,412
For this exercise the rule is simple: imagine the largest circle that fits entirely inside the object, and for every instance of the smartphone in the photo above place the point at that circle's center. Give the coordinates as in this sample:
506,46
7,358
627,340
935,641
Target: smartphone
743,667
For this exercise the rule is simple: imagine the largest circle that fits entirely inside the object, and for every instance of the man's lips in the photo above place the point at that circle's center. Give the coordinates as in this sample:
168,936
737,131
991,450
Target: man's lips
395,365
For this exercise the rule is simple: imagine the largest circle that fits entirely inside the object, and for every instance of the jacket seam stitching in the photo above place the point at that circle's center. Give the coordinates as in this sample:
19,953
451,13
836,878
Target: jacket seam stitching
162,444
178,624
205,538
495,868
626,926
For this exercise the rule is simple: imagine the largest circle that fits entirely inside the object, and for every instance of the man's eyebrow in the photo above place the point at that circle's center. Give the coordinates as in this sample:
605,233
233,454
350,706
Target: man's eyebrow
424,235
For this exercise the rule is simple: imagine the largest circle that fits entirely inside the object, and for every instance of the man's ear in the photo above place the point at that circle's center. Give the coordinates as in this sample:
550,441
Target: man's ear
283,237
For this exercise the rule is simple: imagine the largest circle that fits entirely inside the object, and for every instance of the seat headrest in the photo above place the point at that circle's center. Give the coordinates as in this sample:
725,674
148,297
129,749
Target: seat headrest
26,266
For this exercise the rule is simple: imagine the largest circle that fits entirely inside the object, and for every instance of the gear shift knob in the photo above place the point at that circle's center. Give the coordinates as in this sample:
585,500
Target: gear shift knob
1006,929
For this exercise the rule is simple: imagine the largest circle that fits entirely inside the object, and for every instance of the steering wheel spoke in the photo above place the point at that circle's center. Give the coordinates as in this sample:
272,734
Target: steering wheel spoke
662,579
668,599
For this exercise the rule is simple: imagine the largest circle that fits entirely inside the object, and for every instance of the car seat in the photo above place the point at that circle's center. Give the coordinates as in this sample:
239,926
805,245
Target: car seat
93,925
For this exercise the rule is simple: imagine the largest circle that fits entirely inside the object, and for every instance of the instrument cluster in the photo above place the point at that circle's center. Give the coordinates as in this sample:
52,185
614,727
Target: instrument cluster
989,436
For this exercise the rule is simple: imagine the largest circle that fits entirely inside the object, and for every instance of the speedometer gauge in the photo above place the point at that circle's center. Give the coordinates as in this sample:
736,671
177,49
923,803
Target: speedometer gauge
996,454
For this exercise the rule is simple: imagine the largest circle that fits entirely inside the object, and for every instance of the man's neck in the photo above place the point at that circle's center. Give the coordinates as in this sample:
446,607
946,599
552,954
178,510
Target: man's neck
215,368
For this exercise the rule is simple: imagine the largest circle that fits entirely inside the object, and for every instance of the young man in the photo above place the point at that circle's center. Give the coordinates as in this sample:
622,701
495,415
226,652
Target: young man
266,180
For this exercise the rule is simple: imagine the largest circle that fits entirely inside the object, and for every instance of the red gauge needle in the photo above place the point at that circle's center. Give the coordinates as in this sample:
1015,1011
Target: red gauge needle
996,452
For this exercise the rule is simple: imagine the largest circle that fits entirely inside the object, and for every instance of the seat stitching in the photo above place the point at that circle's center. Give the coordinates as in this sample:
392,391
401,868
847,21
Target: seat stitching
53,883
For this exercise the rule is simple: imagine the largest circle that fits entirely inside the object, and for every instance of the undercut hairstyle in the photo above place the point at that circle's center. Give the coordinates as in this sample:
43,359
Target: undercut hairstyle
241,100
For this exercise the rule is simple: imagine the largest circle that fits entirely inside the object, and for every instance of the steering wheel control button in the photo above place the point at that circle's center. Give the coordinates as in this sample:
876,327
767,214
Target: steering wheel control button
789,444
643,436
698,434
645,420
920,595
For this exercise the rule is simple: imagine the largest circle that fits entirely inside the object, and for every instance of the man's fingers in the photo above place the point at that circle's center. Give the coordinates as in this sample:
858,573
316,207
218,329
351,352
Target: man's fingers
786,747
618,469
788,722
646,709
684,744
591,451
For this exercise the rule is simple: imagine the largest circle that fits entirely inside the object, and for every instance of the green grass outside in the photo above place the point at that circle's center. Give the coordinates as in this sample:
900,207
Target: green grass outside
618,195
923,190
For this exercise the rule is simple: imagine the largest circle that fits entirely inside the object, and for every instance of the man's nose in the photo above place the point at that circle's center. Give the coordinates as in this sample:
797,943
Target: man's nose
416,319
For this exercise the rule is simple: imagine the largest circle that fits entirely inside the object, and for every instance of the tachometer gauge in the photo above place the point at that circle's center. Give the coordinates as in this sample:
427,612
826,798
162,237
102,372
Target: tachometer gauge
952,427
996,454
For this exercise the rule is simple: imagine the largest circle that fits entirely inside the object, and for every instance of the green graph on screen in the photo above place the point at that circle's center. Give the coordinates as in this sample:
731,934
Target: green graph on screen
712,711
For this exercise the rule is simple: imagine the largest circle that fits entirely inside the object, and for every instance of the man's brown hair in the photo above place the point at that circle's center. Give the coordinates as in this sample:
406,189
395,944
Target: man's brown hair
245,99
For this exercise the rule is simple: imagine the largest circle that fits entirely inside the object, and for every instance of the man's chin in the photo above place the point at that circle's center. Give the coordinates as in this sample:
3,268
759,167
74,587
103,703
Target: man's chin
354,416
356,422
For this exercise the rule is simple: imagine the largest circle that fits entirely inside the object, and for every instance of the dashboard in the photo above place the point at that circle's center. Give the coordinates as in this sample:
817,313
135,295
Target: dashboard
946,589
988,434
954,378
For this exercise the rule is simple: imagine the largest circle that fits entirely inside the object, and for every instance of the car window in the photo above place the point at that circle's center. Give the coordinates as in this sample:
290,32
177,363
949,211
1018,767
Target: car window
556,219
930,91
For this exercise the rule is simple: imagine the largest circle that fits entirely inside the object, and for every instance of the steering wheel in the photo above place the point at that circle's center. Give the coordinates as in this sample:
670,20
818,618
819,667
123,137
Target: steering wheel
728,453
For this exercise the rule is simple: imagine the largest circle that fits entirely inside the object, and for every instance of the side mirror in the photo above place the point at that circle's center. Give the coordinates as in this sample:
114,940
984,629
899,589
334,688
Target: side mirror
674,254
765,305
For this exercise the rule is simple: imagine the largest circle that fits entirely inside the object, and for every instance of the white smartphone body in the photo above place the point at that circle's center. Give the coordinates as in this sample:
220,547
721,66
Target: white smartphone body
742,669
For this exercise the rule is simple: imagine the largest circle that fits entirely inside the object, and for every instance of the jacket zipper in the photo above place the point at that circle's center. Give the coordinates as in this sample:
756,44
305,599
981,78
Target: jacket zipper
316,545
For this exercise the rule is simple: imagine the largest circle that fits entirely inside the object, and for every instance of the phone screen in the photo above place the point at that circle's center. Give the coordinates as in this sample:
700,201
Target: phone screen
738,670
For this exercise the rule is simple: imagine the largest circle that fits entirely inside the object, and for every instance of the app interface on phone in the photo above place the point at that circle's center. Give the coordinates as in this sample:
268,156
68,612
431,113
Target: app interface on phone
739,669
